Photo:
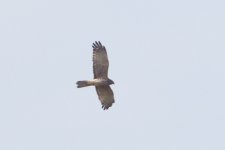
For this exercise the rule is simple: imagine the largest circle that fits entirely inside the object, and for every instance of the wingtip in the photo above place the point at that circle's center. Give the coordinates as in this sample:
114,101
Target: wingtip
97,44
94,46
105,107
100,43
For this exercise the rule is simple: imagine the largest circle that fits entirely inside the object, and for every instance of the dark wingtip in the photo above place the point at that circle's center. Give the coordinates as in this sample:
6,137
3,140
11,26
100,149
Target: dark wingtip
100,43
105,107
94,46
97,44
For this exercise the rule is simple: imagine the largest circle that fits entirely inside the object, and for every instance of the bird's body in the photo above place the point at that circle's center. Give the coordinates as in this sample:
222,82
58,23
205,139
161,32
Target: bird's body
101,80
94,82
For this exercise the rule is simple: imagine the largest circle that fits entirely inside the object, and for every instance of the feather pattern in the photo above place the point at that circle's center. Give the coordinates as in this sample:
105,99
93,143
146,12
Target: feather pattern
100,61
105,95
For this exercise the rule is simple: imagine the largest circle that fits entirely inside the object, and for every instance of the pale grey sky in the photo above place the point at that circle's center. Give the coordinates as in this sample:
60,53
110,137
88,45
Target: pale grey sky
167,59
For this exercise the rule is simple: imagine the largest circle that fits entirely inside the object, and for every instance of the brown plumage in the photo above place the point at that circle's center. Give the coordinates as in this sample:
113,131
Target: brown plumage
101,80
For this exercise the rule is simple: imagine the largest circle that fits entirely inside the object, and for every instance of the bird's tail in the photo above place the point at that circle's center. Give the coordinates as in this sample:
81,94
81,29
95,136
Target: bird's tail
81,84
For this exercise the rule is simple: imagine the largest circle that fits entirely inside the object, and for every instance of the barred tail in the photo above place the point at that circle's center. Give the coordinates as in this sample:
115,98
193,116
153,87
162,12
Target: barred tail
81,84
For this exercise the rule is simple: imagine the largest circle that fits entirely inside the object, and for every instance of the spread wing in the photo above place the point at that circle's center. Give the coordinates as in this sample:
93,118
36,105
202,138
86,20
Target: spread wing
105,95
100,61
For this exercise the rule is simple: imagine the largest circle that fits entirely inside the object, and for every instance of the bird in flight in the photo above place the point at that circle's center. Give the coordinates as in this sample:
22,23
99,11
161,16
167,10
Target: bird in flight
101,81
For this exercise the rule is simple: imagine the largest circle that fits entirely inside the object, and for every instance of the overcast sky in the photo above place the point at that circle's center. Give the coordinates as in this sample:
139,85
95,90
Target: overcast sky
167,59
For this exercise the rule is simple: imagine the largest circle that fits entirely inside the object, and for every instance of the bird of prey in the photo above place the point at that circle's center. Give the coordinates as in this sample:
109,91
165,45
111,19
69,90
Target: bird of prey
101,80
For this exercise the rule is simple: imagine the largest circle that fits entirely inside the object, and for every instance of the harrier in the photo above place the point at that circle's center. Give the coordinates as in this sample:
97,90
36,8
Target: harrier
101,80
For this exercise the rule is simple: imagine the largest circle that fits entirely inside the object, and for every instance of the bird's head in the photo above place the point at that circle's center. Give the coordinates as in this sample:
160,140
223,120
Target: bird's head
110,81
